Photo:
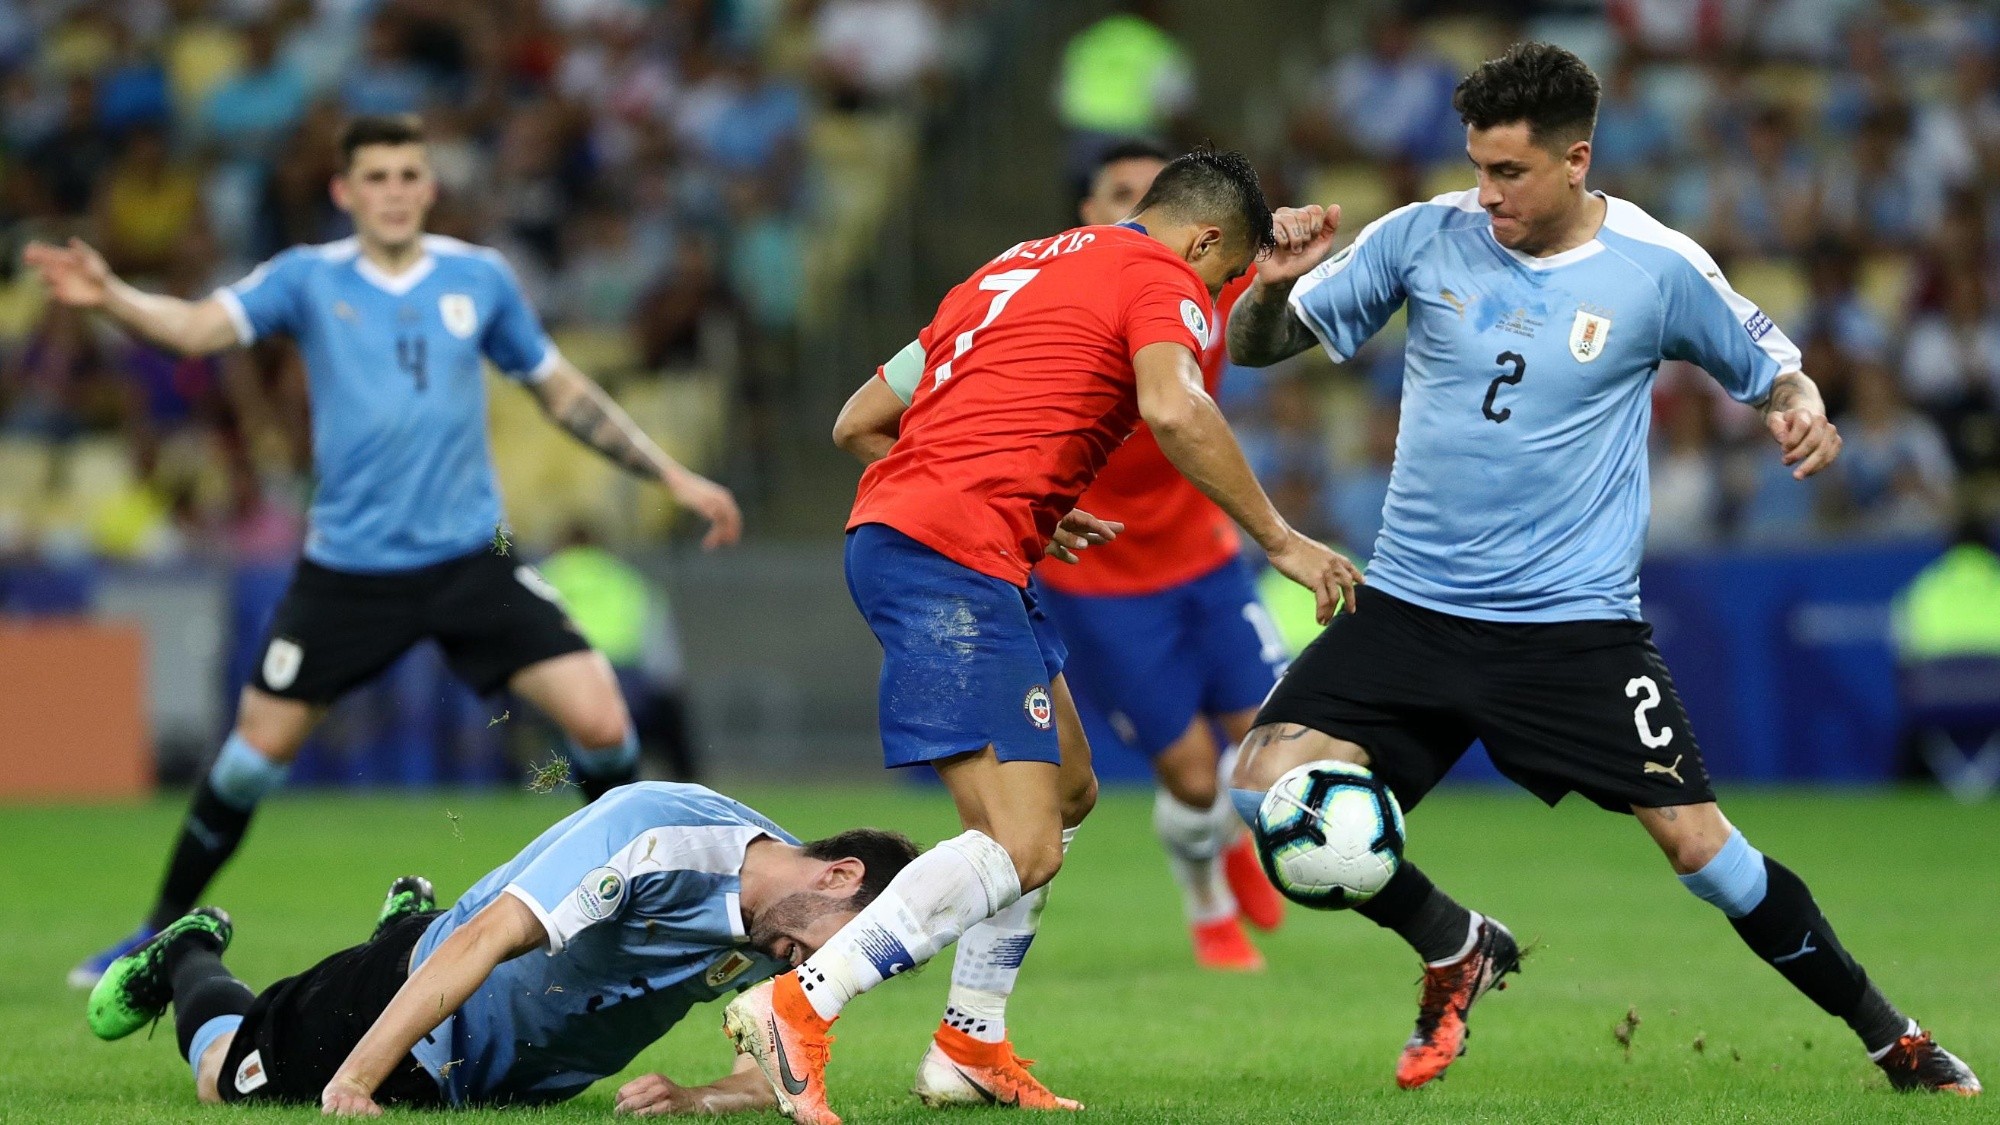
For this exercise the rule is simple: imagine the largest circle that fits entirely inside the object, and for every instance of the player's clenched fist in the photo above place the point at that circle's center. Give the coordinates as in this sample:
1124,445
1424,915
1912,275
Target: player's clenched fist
342,1100
1321,569
1809,439
1304,235
75,274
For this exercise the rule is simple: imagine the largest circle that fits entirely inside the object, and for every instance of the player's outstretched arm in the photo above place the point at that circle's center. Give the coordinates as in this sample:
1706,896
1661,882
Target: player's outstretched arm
454,971
655,1095
1263,329
870,422
77,275
1796,416
577,404
1196,438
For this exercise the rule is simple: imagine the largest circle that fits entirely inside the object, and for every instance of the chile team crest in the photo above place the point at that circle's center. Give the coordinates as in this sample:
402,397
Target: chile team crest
1588,334
1040,711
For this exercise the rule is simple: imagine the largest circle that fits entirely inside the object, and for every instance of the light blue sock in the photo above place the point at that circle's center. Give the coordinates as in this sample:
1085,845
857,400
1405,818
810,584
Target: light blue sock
607,761
1734,881
205,1037
241,776
1247,802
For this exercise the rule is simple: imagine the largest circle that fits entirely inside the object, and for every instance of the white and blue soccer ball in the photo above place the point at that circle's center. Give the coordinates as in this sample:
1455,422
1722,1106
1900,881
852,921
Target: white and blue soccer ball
1330,834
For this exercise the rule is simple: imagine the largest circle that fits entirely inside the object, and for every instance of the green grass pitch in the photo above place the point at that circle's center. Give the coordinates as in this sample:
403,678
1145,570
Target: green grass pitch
1110,1000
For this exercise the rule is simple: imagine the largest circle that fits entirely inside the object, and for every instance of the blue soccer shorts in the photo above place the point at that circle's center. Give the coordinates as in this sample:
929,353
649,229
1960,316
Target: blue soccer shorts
1149,664
967,659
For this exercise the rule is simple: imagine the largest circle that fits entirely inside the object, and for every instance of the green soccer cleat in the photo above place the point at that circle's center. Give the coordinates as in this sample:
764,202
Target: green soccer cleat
411,894
136,988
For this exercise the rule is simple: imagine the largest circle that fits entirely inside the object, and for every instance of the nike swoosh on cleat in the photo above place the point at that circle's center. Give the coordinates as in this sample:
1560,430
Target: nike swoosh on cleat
793,1084
990,1096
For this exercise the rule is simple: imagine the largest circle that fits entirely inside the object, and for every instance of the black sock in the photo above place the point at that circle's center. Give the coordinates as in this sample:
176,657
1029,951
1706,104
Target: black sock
1788,930
595,787
1427,918
208,838
203,990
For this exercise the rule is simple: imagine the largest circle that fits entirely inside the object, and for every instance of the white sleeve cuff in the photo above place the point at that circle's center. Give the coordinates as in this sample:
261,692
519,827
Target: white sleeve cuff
238,316
557,939
1298,309
547,367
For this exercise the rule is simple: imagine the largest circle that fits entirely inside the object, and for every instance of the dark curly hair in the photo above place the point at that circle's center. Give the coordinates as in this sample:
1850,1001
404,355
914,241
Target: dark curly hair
1214,186
1539,83
882,854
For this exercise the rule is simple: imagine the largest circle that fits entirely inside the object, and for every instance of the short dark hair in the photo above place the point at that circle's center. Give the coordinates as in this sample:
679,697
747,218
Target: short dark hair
1217,186
378,129
882,854
1136,148
1539,83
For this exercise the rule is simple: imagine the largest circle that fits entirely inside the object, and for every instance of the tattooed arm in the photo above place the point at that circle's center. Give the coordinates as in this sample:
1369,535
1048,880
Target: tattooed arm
578,405
1263,329
1796,417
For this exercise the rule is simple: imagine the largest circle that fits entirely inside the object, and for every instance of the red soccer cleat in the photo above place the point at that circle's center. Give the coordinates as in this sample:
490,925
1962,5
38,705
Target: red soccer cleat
1450,990
1260,902
1222,945
776,1026
961,1070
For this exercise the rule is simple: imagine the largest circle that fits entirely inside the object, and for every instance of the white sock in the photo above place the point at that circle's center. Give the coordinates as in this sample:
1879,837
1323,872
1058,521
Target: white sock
922,910
989,962
1193,839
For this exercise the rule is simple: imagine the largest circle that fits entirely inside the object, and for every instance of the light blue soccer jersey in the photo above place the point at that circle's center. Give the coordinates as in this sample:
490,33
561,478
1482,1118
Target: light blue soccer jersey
638,893
403,475
1519,491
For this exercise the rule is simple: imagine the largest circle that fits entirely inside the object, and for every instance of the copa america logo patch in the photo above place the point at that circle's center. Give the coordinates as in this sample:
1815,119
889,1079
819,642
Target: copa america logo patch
1196,321
1040,711
600,894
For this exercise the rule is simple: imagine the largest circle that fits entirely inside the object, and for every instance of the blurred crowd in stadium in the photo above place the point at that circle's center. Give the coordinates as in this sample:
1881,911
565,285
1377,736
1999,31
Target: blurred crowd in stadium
1837,156
665,177
648,167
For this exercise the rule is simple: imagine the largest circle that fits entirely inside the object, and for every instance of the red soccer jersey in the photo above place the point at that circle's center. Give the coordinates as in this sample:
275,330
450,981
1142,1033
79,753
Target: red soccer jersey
1027,388
1173,534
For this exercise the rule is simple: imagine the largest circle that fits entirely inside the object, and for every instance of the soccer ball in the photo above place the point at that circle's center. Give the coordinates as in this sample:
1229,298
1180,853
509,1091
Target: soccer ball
1330,834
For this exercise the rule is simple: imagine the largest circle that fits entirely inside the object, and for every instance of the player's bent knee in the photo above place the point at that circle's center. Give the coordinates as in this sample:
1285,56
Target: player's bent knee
1078,800
1274,749
208,1076
1037,857
599,731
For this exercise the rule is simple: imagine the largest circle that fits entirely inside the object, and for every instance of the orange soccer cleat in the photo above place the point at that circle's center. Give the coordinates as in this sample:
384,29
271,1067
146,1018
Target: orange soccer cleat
1260,902
1450,990
776,1026
961,1070
1222,945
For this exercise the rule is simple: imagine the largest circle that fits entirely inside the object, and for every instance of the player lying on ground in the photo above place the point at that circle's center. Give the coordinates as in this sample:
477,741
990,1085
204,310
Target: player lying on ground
550,973
1033,370
392,324
1503,600
1168,643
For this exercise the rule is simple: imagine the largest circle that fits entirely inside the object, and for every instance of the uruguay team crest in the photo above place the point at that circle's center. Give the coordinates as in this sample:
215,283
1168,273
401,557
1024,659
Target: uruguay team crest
1587,335
281,663
726,969
1040,711
461,319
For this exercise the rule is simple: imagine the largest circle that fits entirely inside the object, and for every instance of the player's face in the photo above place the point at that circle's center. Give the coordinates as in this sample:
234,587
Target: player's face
388,189
1117,188
1217,259
793,928
1527,189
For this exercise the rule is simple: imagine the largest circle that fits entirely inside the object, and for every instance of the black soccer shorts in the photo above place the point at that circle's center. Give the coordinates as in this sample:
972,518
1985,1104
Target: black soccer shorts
1565,707
492,614
298,1031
